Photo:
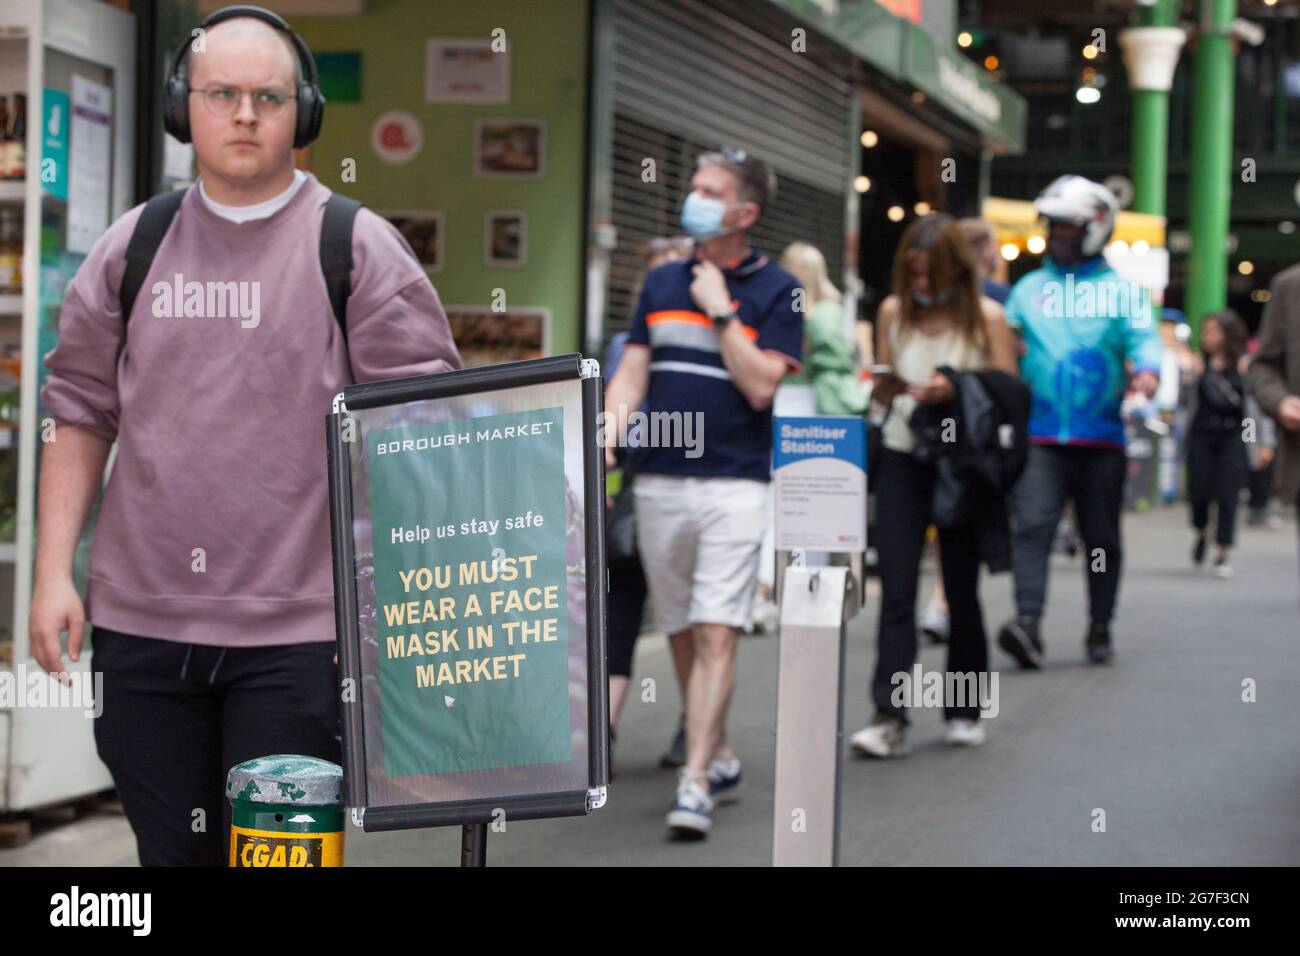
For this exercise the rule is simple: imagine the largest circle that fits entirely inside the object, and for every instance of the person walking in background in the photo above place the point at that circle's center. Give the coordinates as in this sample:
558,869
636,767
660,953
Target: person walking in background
711,341
829,366
984,250
935,316
1075,362
627,584
1216,455
935,621
1261,454
1274,375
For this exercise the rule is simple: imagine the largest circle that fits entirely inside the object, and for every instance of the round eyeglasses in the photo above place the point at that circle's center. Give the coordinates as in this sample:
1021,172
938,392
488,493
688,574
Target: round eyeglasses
225,100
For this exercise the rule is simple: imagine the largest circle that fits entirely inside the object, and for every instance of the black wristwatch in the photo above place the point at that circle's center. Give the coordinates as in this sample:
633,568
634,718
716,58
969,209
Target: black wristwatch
720,322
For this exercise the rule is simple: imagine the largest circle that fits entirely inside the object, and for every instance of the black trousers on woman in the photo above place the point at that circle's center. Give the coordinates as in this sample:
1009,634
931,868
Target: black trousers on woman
627,596
1216,471
903,506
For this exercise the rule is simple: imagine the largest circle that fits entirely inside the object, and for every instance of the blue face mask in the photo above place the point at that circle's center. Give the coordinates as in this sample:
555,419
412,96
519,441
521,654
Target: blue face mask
702,217
923,301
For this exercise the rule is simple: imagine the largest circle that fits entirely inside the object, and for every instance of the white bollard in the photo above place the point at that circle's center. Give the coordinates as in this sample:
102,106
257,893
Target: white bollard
815,603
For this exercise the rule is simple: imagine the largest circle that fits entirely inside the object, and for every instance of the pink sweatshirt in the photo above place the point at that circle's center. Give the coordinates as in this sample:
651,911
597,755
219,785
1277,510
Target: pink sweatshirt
220,421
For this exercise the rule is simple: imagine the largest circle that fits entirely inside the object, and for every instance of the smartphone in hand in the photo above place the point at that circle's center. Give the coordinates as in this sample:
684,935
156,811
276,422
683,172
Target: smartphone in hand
885,383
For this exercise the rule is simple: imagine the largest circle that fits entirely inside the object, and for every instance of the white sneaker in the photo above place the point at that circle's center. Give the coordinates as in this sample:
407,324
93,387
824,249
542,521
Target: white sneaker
691,815
1222,569
885,736
724,780
765,615
964,733
934,623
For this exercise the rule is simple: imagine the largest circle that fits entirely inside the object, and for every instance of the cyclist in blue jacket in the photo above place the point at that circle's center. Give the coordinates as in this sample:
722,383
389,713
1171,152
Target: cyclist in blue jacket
1088,336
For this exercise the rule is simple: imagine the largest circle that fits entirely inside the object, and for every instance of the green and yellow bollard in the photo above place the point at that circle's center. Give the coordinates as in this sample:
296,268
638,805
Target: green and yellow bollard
286,811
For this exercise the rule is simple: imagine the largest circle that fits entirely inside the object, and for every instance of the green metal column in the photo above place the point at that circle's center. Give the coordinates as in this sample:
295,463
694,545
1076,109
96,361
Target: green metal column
1150,144
1151,49
1151,124
1211,182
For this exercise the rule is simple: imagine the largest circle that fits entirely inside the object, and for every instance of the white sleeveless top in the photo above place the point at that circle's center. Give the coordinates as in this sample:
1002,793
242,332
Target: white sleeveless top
915,361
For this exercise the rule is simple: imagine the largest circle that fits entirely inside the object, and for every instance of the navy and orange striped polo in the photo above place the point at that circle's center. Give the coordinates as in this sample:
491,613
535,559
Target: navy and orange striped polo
687,374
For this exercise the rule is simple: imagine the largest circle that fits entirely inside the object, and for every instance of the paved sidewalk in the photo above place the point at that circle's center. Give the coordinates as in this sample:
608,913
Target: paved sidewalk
1187,773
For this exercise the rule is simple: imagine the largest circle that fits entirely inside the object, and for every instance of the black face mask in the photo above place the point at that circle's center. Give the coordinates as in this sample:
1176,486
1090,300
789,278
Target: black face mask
1065,250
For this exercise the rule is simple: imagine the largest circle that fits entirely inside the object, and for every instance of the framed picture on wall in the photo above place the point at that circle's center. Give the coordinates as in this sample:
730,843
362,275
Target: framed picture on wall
484,337
509,148
505,238
465,70
423,230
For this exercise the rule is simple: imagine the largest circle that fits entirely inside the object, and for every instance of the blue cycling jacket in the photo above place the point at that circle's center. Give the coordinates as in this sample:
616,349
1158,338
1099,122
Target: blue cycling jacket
1080,325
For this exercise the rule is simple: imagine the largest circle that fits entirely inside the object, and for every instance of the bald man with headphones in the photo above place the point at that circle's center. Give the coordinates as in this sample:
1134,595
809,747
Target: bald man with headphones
205,334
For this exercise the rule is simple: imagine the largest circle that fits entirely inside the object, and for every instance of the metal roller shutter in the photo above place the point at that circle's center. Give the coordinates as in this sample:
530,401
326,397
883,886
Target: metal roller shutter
690,74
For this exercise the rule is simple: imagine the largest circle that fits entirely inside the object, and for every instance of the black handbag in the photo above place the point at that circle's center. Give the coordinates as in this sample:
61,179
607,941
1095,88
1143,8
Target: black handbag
620,525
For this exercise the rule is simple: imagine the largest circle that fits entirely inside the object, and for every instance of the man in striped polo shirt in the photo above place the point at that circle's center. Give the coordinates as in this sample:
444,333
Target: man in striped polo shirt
712,339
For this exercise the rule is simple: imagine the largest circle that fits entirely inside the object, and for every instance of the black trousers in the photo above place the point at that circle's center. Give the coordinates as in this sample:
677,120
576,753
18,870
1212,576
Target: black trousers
1260,484
178,716
903,506
627,597
1216,472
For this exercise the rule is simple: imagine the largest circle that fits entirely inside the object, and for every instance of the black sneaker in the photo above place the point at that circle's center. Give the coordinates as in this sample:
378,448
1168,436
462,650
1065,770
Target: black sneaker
1019,638
1198,551
675,755
1096,644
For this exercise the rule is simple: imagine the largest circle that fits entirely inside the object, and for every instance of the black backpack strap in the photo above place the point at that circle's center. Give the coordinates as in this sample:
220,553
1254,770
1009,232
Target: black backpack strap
150,229
336,254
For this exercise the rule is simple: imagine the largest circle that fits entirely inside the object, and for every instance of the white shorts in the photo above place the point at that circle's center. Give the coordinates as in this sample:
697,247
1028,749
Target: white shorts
700,541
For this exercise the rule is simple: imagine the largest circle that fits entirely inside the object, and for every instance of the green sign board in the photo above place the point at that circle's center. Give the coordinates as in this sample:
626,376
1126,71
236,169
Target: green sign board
907,52
467,517
470,587
962,88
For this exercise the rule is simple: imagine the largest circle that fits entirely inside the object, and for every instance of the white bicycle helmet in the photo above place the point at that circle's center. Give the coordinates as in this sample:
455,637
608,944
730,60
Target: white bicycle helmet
1082,202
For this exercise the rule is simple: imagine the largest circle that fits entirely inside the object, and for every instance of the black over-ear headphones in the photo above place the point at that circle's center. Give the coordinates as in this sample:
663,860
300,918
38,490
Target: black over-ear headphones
311,104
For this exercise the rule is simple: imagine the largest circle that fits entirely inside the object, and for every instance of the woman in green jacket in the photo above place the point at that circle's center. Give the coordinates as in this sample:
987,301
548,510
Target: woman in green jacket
828,364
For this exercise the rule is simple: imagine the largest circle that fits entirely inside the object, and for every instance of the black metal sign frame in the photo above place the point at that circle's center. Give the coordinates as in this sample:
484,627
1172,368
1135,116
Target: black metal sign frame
448,384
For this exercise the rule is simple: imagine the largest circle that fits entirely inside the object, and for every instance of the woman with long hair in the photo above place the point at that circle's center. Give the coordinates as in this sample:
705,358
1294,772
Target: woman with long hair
1216,455
828,364
935,316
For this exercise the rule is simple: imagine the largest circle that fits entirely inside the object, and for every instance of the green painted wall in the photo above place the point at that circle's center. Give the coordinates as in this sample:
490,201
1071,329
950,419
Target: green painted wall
548,46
